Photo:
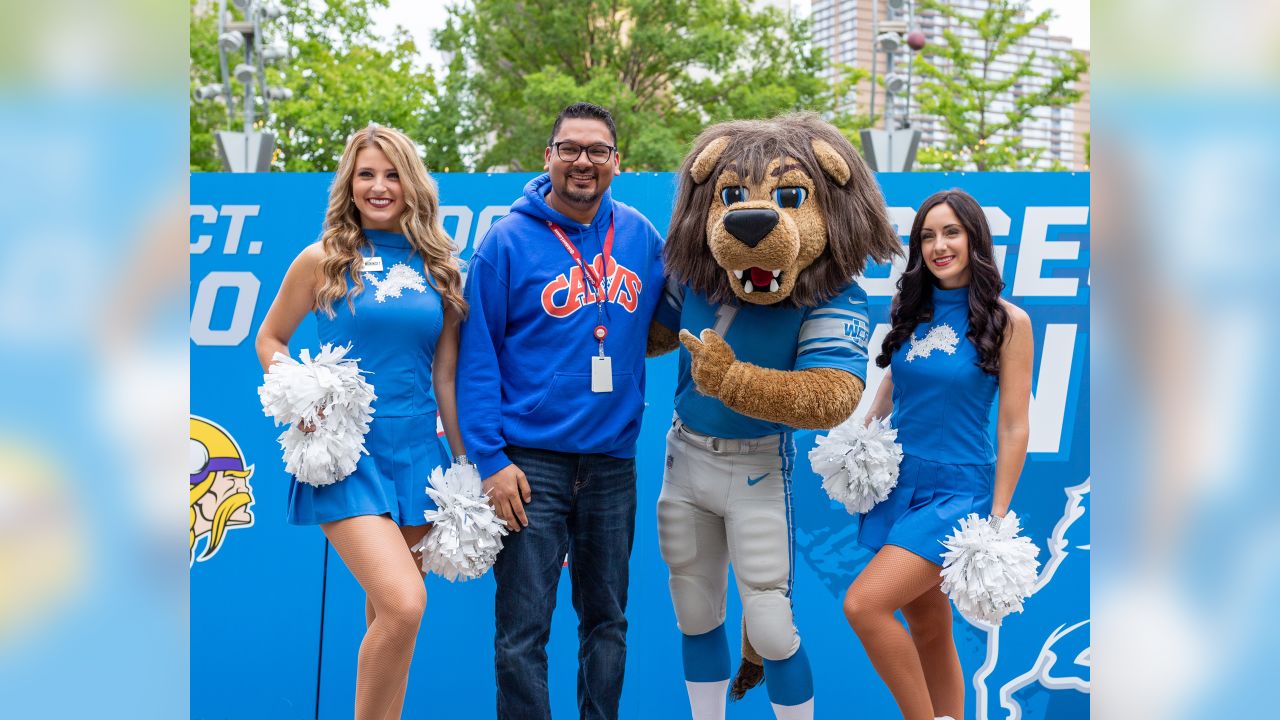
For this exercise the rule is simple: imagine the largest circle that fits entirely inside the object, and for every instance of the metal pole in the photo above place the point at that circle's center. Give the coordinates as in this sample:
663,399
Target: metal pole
226,70
875,54
911,57
889,94
254,9
888,105
248,108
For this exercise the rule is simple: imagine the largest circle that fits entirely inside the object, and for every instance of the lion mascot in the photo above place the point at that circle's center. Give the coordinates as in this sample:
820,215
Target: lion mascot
773,219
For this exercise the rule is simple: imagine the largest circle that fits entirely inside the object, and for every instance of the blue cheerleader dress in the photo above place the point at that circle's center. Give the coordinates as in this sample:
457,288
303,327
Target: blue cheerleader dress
393,332
941,407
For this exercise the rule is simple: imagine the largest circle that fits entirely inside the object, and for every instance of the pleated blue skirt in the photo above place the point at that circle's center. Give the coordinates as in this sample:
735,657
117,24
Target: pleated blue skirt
926,506
390,480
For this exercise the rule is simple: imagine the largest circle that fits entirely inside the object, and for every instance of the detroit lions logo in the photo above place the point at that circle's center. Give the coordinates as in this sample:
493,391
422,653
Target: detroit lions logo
399,278
941,337
1014,671
567,294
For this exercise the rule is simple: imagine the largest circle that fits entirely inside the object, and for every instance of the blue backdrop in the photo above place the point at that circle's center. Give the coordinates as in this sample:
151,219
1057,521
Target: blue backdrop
276,619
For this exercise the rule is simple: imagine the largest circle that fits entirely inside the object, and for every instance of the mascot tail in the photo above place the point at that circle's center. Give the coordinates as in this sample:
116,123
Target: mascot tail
750,672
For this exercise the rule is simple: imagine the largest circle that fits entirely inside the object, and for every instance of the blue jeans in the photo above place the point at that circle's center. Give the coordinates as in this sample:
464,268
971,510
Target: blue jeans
583,506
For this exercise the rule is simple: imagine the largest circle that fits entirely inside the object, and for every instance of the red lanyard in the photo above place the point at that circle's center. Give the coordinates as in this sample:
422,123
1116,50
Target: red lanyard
597,283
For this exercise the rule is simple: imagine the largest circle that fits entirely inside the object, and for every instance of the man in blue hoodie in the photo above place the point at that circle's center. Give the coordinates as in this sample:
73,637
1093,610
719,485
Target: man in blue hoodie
551,390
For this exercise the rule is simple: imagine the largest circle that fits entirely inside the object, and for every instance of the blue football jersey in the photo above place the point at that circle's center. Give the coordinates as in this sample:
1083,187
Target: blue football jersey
832,335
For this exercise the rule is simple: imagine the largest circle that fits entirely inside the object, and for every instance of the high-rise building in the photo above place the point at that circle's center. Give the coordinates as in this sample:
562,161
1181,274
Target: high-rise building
846,30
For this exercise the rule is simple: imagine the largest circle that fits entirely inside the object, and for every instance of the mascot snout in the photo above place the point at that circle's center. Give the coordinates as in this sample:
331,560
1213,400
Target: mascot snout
750,226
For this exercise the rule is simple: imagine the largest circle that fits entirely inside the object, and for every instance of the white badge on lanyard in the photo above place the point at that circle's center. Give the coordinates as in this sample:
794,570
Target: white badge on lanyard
372,264
601,374
601,365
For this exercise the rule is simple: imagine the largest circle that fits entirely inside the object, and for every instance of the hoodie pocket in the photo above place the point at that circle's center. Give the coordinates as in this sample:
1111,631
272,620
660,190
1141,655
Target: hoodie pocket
560,383
570,415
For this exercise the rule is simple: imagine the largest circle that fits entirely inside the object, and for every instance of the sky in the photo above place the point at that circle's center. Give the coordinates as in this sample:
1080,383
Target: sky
421,18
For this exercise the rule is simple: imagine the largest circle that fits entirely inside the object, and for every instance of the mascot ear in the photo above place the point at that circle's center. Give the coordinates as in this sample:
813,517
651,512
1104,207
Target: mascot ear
706,160
831,162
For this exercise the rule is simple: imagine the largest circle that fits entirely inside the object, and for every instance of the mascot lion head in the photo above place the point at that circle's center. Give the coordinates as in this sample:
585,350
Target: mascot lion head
780,211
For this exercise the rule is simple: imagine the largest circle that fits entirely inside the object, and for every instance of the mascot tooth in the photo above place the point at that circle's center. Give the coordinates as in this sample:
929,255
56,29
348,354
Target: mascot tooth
773,220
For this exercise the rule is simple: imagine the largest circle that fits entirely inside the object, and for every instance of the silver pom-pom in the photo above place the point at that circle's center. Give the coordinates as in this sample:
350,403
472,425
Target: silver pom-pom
858,464
988,568
466,535
329,393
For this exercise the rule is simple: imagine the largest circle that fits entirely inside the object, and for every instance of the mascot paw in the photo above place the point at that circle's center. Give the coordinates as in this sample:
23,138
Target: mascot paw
712,358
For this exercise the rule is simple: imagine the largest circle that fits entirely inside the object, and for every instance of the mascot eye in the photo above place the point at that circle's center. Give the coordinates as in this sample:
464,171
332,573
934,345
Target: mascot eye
789,197
733,195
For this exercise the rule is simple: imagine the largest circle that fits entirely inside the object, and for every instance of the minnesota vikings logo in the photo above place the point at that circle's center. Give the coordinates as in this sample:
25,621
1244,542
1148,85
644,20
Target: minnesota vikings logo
399,278
220,492
941,337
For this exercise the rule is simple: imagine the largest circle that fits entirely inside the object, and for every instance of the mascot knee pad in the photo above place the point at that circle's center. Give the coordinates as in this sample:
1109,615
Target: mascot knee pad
698,608
698,580
770,627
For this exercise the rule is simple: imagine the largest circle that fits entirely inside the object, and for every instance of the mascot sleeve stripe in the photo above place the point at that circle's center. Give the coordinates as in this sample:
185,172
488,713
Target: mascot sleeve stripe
835,338
851,328
831,341
838,344
668,312
836,312
673,293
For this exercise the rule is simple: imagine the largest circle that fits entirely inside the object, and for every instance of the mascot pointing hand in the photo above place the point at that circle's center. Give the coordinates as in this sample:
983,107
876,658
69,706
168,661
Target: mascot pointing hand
773,220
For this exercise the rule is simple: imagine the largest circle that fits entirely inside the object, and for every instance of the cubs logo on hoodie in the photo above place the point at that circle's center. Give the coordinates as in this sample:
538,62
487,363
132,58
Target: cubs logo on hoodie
566,295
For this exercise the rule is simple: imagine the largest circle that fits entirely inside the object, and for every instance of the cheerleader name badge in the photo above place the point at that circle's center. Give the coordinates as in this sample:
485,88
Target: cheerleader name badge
372,264
602,374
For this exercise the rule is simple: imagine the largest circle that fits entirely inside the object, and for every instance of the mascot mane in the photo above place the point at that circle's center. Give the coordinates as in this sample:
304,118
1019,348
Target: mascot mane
853,210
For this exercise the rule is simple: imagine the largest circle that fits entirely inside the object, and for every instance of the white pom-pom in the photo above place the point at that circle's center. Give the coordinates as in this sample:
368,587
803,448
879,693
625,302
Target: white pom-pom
466,535
988,568
858,464
327,392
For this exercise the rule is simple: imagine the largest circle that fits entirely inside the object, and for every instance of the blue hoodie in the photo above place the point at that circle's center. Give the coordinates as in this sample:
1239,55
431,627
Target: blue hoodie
524,366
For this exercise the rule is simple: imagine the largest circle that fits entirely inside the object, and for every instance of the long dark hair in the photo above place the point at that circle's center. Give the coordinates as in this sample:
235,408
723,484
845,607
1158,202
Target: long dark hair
914,301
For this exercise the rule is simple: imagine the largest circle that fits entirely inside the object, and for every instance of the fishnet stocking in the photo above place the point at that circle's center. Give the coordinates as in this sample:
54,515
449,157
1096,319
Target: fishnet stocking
412,536
894,579
929,620
375,552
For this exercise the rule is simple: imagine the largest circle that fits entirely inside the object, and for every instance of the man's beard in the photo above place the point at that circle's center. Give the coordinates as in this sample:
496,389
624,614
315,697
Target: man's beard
582,198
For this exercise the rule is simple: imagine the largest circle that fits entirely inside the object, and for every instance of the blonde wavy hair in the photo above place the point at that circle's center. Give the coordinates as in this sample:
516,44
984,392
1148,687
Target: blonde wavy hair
342,238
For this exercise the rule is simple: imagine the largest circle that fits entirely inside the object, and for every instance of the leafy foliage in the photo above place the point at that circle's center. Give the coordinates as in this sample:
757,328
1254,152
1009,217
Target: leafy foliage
960,88
343,76
665,69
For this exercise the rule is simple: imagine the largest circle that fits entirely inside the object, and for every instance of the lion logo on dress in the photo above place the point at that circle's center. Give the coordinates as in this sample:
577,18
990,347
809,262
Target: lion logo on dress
940,337
399,278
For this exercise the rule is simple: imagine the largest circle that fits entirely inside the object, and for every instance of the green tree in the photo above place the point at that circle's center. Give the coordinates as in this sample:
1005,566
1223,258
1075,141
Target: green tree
205,116
665,68
960,88
343,76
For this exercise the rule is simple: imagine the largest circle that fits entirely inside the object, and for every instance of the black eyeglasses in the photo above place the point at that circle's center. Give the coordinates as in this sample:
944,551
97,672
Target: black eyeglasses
570,152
